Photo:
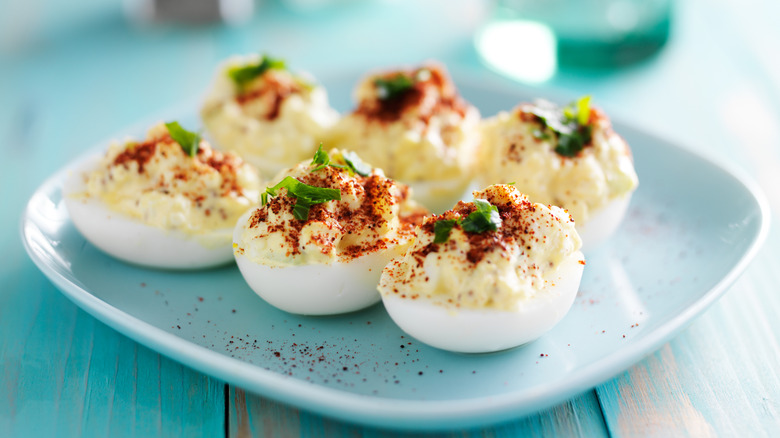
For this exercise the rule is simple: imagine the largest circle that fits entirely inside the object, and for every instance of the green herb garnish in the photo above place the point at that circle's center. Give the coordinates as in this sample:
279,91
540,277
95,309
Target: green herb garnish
442,229
540,134
246,73
356,164
583,110
352,162
569,124
188,140
305,195
485,218
320,157
388,88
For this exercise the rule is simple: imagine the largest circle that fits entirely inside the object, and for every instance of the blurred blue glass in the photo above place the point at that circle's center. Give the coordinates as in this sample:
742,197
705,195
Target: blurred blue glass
531,39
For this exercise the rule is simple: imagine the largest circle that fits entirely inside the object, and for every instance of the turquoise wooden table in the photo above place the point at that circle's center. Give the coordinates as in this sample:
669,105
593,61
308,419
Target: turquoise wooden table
70,79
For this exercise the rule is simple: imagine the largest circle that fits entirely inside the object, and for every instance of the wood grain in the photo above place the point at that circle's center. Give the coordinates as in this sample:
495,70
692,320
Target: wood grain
708,381
63,373
259,417
720,376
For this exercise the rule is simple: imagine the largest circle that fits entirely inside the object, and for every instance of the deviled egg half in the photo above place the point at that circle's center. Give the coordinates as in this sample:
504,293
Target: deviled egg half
487,275
319,240
566,156
413,124
270,116
169,201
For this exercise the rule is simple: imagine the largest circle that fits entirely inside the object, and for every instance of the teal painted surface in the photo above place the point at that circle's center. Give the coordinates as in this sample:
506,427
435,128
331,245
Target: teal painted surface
63,373
720,377
715,88
253,416
722,372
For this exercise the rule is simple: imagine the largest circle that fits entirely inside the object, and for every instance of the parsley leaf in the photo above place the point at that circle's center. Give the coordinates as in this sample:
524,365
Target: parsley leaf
388,88
301,209
540,134
189,141
298,189
569,124
244,74
583,110
569,145
442,229
353,163
305,195
356,164
486,218
320,157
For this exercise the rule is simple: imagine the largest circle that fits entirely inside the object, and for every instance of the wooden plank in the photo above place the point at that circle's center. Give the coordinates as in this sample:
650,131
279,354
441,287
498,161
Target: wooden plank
26,323
720,377
254,416
63,373
193,404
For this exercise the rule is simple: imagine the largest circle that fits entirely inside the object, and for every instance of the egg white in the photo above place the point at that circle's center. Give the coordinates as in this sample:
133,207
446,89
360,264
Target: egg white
316,289
132,241
439,196
603,223
488,330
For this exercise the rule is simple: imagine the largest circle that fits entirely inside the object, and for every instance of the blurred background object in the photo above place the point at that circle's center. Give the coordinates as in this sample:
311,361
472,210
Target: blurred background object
189,11
529,39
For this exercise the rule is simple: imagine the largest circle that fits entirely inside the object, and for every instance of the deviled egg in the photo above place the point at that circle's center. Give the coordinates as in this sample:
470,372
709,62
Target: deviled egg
413,124
319,241
487,275
566,156
270,116
169,201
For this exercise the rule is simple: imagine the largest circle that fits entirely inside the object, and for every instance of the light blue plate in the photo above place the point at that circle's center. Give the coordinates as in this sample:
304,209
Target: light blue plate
691,229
